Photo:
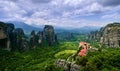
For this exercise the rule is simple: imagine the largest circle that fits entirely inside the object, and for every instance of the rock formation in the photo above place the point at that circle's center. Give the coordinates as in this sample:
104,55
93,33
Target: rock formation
39,38
68,66
111,35
3,35
32,39
20,40
108,35
11,38
43,38
49,35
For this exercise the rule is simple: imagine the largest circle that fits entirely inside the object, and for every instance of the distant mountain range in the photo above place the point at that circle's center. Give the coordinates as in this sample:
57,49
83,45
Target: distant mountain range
85,29
28,28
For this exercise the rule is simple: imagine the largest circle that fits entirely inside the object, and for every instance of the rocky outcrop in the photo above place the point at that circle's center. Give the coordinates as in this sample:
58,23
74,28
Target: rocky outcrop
20,40
43,38
39,38
32,39
3,35
108,35
111,35
49,35
94,35
10,32
11,38
68,66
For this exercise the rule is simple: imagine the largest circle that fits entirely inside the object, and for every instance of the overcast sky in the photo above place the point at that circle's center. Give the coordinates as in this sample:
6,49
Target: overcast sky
61,13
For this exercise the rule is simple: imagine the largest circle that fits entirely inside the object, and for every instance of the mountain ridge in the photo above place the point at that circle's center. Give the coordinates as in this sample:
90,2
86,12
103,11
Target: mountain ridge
29,28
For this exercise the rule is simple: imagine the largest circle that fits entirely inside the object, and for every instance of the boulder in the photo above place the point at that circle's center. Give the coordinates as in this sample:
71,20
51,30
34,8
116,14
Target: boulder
67,66
74,67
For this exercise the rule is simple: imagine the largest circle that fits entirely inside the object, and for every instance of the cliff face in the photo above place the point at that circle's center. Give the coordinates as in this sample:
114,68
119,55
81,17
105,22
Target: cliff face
40,38
49,35
3,35
45,37
94,35
32,39
12,38
19,40
2,32
111,35
108,35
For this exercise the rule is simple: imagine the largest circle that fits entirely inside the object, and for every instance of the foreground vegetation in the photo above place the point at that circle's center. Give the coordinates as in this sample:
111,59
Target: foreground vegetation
106,60
37,59
43,59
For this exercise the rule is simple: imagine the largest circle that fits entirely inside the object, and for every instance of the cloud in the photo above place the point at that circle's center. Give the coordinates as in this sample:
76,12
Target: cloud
94,8
34,1
64,13
64,22
41,1
42,14
13,0
115,16
109,2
